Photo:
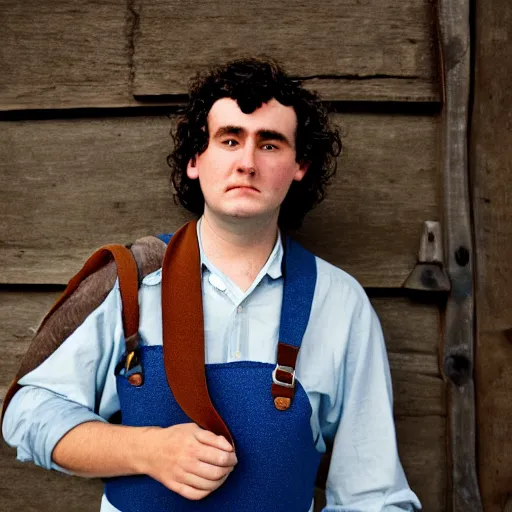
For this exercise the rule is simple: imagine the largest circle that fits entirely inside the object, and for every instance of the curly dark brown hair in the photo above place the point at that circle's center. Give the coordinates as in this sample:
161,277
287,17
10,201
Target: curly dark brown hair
252,82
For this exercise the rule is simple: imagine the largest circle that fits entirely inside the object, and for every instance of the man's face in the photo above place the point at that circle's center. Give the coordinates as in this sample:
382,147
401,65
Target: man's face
249,163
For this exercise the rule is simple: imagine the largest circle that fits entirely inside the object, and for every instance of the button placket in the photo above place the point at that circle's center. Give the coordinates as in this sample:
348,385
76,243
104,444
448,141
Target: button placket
239,324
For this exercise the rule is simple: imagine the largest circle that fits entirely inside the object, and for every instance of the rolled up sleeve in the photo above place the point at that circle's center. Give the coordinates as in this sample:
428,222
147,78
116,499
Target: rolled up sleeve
74,385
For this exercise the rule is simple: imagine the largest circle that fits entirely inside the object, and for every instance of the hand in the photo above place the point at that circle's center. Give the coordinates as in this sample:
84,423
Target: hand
187,459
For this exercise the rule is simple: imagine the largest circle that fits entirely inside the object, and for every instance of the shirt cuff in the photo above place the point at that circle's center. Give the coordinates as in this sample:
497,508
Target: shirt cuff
38,420
403,500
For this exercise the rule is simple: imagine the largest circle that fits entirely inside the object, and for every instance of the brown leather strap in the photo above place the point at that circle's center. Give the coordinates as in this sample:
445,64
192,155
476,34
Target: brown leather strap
286,357
128,284
183,330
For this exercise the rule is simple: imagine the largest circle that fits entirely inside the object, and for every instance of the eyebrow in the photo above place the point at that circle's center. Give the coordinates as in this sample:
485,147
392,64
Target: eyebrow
261,134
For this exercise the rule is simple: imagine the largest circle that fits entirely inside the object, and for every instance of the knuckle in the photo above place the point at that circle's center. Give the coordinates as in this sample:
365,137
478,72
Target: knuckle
197,494
190,494
218,473
177,487
223,459
179,477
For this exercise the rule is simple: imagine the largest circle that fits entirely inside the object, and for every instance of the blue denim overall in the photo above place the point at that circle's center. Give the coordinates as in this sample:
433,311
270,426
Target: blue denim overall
277,459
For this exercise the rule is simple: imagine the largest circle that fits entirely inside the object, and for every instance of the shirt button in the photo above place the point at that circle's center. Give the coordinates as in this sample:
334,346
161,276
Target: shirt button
217,282
239,309
238,354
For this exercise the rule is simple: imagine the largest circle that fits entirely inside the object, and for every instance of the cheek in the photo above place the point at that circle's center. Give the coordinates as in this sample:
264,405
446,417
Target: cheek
281,176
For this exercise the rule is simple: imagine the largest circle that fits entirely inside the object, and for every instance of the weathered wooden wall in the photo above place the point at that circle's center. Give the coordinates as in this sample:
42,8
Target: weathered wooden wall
80,183
87,99
491,166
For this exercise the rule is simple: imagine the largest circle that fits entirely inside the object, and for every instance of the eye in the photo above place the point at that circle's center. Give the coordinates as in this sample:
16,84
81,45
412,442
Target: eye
269,147
231,143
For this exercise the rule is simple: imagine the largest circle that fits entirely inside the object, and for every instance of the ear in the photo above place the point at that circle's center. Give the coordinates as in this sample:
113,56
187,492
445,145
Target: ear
302,169
192,169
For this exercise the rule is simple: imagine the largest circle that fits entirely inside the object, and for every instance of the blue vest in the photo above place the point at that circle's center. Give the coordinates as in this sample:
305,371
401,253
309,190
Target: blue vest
277,459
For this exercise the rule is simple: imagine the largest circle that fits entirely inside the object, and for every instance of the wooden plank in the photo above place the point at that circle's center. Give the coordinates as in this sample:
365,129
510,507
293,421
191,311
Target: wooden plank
416,394
419,403
422,449
20,315
70,56
65,54
491,172
374,88
412,333
80,183
454,38
409,326
372,217
31,489
361,50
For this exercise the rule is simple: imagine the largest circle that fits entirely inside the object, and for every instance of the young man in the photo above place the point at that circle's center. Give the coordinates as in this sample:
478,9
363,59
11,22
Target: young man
253,153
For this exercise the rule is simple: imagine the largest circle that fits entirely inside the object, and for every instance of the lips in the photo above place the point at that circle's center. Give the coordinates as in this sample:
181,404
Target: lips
241,186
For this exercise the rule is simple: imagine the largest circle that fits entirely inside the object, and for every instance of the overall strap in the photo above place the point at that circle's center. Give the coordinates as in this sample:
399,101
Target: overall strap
165,237
128,283
183,330
299,272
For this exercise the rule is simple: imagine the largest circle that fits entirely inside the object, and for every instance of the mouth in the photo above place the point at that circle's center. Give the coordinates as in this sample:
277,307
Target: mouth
242,187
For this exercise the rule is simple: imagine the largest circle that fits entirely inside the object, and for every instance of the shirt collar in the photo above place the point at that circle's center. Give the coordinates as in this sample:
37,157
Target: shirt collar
272,267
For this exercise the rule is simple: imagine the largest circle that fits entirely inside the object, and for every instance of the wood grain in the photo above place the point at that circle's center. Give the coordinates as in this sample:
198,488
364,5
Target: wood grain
409,326
352,50
377,224
32,489
65,54
99,54
491,173
21,312
458,342
69,186
422,449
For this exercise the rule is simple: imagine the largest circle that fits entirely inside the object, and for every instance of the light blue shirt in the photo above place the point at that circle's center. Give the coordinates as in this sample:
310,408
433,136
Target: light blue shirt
342,365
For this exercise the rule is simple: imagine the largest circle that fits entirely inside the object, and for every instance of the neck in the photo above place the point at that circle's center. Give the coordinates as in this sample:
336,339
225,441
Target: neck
238,247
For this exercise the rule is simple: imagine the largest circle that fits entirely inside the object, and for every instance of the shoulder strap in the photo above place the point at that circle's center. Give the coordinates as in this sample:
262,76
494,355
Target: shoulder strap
299,272
183,326
183,330
128,283
165,237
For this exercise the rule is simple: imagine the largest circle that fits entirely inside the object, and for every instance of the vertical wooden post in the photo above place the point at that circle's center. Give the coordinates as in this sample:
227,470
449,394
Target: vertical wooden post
491,180
454,41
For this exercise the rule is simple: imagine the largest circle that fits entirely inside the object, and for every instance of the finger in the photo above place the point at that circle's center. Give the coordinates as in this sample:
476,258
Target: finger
209,471
210,439
196,482
216,457
191,493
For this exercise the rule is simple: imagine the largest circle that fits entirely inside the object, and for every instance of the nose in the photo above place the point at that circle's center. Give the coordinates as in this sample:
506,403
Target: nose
246,164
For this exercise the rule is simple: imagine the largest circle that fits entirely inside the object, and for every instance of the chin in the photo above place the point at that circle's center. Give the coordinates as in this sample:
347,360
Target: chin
243,213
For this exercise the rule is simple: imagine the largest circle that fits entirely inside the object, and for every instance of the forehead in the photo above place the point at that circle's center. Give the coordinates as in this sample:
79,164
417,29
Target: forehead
270,116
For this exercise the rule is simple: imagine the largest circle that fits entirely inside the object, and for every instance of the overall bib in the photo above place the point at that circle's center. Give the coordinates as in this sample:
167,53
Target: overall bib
265,409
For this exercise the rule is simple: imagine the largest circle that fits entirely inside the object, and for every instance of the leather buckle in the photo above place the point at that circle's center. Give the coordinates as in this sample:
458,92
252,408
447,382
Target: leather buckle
132,369
285,369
